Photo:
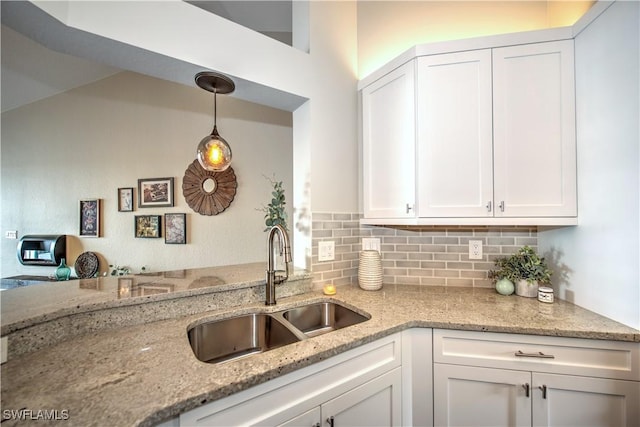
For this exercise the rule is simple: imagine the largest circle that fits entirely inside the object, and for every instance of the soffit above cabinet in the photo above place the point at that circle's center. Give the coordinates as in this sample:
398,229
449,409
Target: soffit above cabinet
485,42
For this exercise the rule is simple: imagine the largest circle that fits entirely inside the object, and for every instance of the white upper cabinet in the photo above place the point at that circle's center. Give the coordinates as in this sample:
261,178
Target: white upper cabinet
388,150
534,130
455,176
479,136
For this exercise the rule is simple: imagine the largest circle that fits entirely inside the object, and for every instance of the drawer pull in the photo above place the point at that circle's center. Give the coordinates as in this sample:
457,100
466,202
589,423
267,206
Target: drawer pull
526,388
544,391
330,421
539,355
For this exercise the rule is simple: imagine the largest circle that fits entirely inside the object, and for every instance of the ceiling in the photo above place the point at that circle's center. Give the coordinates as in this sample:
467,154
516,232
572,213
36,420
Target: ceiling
272,18
57,62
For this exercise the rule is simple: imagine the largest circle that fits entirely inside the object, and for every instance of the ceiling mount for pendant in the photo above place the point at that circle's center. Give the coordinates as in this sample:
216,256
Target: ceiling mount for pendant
214,82
213,153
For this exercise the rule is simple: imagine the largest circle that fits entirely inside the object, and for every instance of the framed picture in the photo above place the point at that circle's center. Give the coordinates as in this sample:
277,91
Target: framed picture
175,228
155,192
90,218
147,226
125,199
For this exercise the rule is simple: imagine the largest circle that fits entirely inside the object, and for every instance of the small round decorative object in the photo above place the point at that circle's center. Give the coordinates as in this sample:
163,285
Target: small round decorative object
545,294
505,287
208,192
87,265
329,289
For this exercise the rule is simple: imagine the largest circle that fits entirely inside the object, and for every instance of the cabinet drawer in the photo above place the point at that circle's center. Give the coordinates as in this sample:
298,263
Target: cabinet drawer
596,358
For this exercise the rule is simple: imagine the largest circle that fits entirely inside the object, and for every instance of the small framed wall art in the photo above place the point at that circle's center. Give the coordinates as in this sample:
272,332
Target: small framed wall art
90,218
175,228
147,226
125,199
155,192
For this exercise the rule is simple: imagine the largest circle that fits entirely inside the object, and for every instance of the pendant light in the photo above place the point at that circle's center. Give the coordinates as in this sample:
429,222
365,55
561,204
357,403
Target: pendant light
214,154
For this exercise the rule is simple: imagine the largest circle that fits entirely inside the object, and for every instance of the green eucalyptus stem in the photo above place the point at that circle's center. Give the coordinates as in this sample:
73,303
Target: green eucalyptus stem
275,212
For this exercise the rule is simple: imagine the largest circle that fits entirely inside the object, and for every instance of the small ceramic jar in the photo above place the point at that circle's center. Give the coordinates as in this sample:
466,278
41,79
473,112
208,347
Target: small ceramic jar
545,294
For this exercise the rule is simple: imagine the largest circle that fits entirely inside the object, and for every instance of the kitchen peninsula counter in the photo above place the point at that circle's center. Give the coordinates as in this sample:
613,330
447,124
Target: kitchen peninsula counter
146,373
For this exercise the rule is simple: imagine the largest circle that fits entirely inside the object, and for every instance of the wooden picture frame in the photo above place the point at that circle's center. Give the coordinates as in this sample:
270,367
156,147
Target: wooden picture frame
90,218
155,192
125,199
175,228
148,226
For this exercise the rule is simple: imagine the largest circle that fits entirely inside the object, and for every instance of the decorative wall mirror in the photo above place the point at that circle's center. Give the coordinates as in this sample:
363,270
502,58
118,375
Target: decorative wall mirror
208,192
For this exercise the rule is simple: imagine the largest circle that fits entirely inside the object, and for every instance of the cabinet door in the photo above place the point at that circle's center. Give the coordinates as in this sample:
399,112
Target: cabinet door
472,396
534,130
376,403
583,401
388,149
455,154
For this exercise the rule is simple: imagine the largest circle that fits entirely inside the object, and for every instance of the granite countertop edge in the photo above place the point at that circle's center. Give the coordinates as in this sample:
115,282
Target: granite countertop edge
87,307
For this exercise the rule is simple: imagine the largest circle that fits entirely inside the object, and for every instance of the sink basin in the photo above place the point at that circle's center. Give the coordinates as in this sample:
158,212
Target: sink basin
320,318
232,338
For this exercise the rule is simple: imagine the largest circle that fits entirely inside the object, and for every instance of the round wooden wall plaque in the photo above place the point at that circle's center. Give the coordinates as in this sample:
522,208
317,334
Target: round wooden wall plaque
207,192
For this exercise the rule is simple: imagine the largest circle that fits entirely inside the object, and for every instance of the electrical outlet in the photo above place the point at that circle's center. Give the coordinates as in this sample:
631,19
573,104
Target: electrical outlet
326,251
370,244
475,249
12,234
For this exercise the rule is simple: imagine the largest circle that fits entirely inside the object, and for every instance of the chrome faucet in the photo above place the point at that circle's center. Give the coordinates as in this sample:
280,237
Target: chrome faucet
273,278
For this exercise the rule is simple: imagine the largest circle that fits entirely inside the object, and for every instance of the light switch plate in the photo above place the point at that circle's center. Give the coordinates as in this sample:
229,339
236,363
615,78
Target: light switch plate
326,251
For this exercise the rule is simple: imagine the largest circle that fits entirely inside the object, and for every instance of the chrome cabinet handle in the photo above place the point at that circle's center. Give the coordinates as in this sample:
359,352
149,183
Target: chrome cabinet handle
544,391
501,206
527,389
489,206
409,207
330,421
539,355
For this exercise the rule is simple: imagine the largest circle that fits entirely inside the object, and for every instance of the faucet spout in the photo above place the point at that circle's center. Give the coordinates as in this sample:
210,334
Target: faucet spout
273,278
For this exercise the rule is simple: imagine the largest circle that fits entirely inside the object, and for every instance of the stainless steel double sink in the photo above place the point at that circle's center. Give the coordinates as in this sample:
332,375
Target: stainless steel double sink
231,338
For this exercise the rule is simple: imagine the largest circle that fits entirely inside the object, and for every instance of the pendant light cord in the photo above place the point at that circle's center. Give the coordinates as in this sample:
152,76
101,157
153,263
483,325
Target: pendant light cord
215,108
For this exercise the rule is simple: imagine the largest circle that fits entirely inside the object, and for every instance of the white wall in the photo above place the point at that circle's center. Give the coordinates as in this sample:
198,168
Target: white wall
87,142
333,131
601,257
388,28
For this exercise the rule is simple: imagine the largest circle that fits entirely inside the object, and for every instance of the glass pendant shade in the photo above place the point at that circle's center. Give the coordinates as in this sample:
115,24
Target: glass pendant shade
214,154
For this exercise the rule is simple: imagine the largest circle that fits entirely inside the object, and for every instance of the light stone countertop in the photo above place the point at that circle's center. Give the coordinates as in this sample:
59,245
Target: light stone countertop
145,374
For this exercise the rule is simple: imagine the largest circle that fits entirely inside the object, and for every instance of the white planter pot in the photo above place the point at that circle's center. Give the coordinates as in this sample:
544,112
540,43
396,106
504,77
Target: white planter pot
526,289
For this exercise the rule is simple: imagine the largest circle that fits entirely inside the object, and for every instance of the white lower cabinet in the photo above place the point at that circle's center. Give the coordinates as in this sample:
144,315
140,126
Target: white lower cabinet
601,386
359,387
568,400
375,403
472,396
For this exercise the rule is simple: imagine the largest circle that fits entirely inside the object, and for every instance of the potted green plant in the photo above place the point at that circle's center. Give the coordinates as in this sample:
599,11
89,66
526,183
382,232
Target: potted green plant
526,269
